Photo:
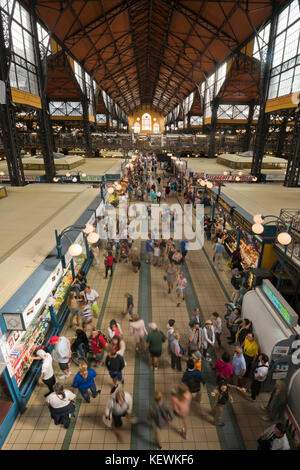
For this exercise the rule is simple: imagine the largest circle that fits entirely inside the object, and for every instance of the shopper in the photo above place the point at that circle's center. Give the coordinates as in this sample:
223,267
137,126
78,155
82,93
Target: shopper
98,345
62,354
135,259
170,333
273,438
86,312
208,339
80,344
238,367
222,395
114,329
217,324
195,338
160,415
155,340
195,318
277,402
223,368
244,328
171,274
118,406
176,351
156,253
129,305
114,364
138,331
218,256
119,345
181,400
250,349
184,249
177,260
84,380
180,288
233,322
47,373
74,308
260,373
96,254
109,261
149,249
193,378
61,404
92,297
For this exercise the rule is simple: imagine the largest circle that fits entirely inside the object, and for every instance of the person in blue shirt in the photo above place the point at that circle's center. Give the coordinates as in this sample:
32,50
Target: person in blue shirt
85,380
149,249
218,256
193,378
183,249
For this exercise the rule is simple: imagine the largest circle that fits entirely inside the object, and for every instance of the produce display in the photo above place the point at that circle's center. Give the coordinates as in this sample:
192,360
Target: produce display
62,290
249,255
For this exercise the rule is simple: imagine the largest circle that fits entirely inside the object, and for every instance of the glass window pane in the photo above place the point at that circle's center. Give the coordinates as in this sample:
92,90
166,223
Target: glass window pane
296,83
282,20
278,49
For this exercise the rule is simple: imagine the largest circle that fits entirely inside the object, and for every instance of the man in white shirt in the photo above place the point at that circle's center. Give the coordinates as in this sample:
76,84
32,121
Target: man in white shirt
62,354
92,298
260,375
47,375
274,438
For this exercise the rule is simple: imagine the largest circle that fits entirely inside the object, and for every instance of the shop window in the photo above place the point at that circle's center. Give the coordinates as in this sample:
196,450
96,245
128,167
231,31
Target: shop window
136,128
146,122
156,128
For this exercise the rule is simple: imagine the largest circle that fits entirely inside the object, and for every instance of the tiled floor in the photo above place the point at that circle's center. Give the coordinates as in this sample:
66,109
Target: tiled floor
35,430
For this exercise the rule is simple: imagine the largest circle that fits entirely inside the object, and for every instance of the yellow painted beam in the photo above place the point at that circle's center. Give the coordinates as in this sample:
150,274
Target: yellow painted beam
283,102
22,97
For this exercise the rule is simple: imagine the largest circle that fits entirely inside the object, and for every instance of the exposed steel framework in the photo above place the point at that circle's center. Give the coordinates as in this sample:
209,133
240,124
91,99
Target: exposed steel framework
152,52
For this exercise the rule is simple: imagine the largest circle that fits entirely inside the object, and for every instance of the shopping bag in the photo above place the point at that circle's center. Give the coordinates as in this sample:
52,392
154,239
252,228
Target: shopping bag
107,420
95,310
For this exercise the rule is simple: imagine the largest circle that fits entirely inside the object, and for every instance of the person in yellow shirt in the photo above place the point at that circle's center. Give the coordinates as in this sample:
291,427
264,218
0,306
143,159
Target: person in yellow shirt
250,351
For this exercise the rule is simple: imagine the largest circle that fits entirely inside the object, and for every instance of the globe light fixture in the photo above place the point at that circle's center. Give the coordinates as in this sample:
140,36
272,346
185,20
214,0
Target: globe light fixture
258,219
74,180
83,175
93,237
284,238
75,249
209,185
257,228
55,179
254,178
110,190
68,174
202,183
225,173
240,173
2,173
237,178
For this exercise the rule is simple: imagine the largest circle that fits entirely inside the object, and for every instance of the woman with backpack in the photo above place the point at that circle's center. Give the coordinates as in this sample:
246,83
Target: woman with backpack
84,380
98,344
160,415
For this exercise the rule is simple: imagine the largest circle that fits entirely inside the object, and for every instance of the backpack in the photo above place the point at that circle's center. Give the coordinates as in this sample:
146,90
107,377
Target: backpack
193,384
236,282
104,336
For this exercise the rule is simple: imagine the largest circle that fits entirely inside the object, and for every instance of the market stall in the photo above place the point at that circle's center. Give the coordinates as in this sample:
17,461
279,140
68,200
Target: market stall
275,325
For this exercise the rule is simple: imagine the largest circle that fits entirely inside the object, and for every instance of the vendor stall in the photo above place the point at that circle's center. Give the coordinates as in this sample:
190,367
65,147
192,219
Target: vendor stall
275,326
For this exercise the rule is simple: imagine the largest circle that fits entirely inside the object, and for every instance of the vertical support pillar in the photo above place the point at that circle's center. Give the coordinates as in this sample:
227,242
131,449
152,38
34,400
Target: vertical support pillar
7,113
247,139
107,121
264,119
281,137
292,175
45,127
212,137
86,124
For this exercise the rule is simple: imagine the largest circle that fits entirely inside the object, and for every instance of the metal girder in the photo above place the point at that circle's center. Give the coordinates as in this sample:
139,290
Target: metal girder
292,176
263,120
7,117
247,138
45,127
212,136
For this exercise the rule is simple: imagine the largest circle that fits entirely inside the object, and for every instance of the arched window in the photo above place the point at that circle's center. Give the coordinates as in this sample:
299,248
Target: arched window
136,128
146,122
156,128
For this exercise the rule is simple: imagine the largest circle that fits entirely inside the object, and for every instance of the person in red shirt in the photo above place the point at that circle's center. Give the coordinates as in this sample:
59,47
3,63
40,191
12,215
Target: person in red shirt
109,261
223,367
98,344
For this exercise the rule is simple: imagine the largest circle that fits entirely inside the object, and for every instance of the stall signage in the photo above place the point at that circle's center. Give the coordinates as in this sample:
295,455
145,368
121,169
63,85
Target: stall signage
224,205
281,306
35,179
242,221
230,178
91,178
28,312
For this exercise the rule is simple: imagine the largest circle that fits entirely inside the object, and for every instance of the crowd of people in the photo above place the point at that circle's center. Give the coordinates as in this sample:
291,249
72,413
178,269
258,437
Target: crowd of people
194,349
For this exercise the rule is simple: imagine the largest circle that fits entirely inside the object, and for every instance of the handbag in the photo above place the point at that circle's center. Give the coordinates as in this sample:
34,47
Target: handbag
165,278
107,420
